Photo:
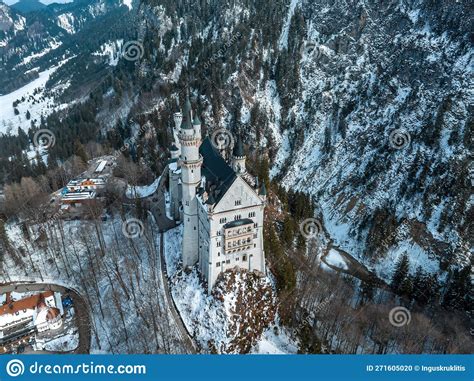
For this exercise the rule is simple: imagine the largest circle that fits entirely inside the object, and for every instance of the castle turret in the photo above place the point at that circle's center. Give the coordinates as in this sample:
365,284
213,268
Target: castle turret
174,151
238,158
263,191
178,119
197,125
191,162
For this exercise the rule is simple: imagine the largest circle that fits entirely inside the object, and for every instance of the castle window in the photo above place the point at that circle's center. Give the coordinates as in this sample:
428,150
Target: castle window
228,261
218,264
218,244
238,202
223,220
237,217
244,257
236,259
252,214
255,225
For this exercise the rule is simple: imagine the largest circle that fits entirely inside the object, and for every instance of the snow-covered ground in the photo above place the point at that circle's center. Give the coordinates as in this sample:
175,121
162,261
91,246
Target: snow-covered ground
123,286
207,319
66,21
54,45
276,341
142,191
111,49
35,101
201,313
64,343
333,258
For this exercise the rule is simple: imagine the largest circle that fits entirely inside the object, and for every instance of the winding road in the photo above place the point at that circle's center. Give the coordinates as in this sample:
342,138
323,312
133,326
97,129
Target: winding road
184,333
158,210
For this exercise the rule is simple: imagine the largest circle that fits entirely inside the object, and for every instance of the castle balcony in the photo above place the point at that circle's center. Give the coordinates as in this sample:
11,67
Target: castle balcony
238,235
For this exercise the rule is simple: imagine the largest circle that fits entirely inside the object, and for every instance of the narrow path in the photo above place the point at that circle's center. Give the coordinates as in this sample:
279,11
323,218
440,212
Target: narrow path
185,335
354,267
156,205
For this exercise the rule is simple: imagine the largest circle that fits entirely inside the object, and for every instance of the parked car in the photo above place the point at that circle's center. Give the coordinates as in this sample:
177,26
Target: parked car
67,302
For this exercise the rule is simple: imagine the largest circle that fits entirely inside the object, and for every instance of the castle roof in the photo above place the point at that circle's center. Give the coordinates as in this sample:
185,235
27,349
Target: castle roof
186,124
30,302
218,173
196,120
52,314
263,189
187,106
211,200
174,148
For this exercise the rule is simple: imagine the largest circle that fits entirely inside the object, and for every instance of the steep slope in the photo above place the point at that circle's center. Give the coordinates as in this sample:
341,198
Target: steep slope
54,57
365,105
36,41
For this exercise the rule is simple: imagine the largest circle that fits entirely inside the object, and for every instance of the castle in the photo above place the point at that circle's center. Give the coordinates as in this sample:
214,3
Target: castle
220,205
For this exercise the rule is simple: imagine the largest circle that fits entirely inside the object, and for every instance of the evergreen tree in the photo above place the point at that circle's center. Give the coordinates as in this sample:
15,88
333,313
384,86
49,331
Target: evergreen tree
367,289
418,283
288,231
459,293
401,273
406,287
80,151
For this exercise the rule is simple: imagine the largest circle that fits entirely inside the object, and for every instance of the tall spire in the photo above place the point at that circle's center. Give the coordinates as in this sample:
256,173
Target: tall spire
238,157
187,111
196,120
187,114
239,148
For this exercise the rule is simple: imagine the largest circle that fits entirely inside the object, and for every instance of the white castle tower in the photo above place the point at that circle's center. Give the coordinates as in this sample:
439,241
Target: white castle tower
191,162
